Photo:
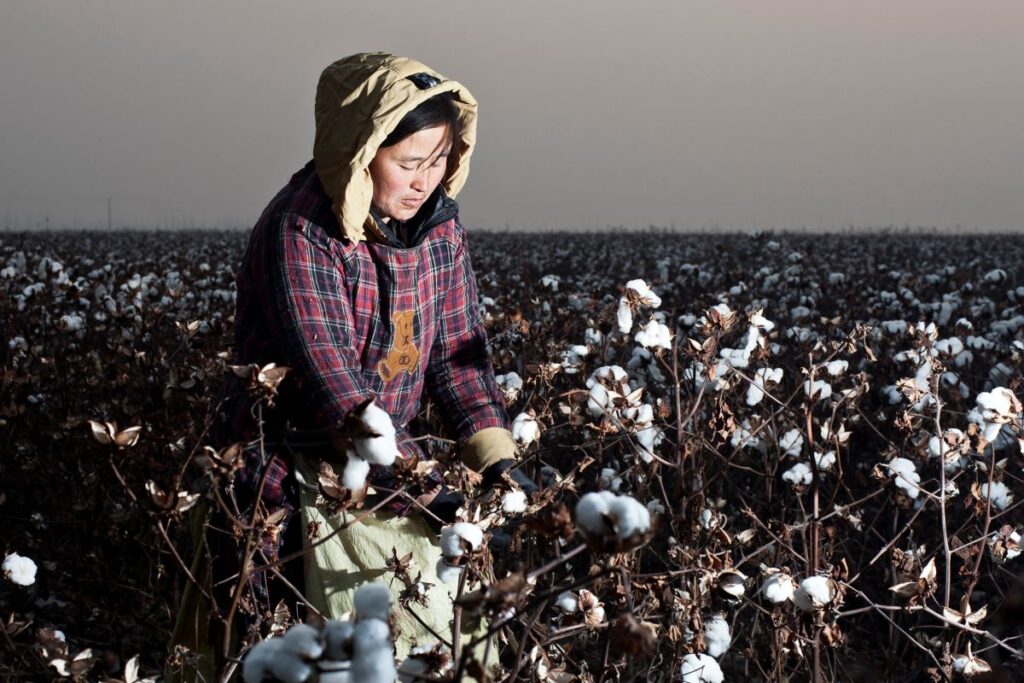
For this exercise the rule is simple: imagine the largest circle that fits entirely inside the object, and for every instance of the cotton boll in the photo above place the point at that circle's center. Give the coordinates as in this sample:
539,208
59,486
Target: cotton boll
447,573
998,493
338,639
372,660
701,668
610,479
905,476
334,672
791,443
513,502
654,335
825,461
630,517
818,389
353,477
592,513
381,449
837,367
624,316
798,475
567,602
257,661
717,635
303,641
813,593
413,670
288,667
778,587
20,570
525,429
643,291
372,601
455,537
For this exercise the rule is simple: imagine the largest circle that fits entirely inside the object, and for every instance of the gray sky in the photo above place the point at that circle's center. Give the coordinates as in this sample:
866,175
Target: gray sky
702,114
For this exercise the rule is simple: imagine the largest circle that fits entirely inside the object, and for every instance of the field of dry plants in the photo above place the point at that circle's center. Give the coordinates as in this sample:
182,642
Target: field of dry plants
810,450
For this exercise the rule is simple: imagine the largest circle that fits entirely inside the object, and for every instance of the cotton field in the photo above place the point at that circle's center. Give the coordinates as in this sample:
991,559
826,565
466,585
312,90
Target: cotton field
763,457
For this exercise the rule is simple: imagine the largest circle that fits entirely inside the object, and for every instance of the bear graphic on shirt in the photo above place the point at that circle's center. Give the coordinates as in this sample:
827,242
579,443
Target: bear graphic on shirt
403,354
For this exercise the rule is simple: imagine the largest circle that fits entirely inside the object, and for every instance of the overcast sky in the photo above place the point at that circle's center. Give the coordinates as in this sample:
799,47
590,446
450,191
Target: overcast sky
699,114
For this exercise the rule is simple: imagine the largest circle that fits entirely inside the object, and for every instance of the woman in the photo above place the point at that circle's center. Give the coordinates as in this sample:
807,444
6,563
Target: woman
357,277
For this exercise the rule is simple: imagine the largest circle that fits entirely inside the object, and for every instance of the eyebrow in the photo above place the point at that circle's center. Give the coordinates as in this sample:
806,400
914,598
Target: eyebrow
409,159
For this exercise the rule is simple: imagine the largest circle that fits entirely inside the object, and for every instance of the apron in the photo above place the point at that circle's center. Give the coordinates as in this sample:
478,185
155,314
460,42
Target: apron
360,554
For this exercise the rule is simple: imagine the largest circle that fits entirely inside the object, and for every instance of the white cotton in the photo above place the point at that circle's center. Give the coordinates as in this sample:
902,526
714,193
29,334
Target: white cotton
19,569
701,668
592,513
905,475
629,516
289,668
763,376
791,443
717,635
799,474
413,670
610,479
525,429
813,593
455,536
655,507
567,602
837,367
372,601
372,660
353,477
513,502
824,461
654,335
998,493
647,296
447,573
778,587
510,384
381,449
302,640
817,389
338,639
996,405
598,402
572,358
624,316
334,671
257,660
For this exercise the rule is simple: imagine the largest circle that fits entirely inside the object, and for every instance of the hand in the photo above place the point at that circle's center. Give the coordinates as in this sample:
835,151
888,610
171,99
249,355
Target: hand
493,474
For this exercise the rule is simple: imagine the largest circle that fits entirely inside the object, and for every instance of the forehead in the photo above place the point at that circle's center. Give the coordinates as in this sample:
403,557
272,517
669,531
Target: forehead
422,144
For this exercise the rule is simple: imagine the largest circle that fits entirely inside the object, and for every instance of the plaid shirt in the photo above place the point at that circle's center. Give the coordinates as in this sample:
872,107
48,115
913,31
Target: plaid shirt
355,319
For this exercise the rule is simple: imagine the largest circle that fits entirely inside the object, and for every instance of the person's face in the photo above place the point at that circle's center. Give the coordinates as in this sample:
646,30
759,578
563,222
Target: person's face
405,174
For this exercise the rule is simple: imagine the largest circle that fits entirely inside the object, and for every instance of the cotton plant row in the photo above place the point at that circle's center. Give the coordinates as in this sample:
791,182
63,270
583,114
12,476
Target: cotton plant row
906,363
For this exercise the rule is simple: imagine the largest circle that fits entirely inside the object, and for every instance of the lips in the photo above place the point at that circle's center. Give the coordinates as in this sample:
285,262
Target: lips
412,202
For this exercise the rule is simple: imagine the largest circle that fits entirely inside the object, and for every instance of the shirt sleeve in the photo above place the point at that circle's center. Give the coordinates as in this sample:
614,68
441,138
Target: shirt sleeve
460,376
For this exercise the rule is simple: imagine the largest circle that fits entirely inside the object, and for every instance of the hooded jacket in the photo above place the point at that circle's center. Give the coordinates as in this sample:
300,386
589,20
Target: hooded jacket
324,290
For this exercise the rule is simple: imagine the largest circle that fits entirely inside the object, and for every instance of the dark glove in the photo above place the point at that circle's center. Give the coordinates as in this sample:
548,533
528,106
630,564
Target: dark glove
443,507
492,475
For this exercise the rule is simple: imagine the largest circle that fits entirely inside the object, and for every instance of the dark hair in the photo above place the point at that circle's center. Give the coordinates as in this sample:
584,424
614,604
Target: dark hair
439,110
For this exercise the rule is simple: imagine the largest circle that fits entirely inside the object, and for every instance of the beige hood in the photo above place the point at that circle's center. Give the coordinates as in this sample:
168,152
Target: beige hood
360,99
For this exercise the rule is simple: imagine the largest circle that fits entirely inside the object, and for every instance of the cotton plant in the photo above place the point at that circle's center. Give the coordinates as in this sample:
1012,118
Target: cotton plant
997,493
997,408
763,379
510,384
637,293
717,635
19,570
701,668
457,540
360,650
371,441
573,358
654,335
778,586
815,593
905,476
525,429
602,515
